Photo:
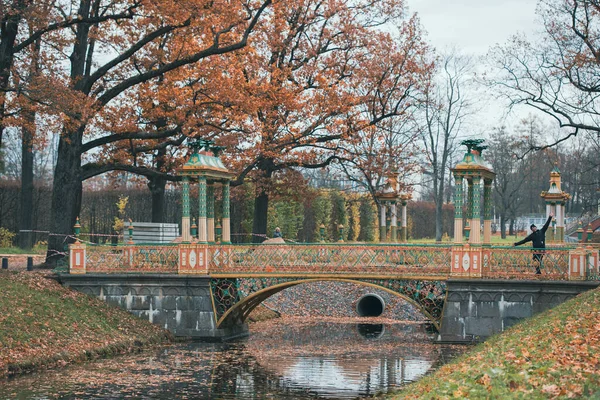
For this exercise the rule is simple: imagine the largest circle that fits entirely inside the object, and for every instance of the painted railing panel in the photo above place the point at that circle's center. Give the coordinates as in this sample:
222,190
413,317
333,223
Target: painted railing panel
132,259
511,263
363,260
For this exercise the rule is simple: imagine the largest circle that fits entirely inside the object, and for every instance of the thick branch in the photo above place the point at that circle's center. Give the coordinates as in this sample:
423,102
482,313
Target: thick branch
129,135
74,21
164,68
94,169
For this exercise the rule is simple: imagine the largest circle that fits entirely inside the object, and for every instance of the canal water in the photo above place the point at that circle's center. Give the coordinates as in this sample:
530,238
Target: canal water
291,358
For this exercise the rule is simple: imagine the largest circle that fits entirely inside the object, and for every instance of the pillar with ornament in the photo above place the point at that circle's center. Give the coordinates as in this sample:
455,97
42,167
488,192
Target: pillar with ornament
389,198
204,168
555,199
470,256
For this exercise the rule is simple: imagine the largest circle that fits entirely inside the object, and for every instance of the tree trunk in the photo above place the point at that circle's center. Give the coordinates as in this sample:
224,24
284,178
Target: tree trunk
261,203
157,189
439,202
8,34
259,225
67,185
28,134
93,224
156,184
503,226
439,221
26,217
66,195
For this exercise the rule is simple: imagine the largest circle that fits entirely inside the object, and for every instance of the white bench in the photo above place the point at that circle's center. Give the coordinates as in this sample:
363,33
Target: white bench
152,232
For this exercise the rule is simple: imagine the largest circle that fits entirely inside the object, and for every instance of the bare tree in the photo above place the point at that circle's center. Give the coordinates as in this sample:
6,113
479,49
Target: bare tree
557,74
509,177
444,113
390,149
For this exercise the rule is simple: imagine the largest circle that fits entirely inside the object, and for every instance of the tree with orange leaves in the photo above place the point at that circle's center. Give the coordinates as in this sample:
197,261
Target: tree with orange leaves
108,60
315,76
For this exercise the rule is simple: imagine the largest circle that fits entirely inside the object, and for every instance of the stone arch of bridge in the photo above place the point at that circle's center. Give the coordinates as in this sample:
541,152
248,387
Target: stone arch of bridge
239,312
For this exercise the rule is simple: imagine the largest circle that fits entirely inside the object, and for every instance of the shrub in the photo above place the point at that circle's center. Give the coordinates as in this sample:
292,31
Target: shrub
6,237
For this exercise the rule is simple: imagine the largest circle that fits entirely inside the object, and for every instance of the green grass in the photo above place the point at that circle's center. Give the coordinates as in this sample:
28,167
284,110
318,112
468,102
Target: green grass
495,240
43,323
17,250
553,355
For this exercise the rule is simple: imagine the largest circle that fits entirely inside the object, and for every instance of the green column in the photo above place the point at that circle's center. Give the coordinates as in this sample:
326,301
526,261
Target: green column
458,212
202,209
210,212
226,224
186,197
469,206
469,210
487,200
185,218
476,214
487,211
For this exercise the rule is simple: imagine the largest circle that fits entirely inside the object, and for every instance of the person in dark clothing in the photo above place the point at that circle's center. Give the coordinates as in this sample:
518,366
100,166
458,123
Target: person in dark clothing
277,233
537,237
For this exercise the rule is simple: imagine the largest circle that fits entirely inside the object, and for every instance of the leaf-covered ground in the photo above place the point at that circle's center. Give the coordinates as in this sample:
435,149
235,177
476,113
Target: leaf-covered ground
43,324
553,355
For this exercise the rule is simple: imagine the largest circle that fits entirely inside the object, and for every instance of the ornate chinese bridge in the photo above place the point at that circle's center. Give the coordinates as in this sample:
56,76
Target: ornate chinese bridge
208,291
205,287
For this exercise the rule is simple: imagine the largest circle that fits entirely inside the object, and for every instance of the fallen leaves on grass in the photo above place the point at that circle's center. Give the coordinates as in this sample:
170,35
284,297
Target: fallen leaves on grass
555,354
48,324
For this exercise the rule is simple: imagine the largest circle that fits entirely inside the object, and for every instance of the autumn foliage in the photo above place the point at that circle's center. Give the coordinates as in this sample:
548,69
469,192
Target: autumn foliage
280,84
552,355
44,325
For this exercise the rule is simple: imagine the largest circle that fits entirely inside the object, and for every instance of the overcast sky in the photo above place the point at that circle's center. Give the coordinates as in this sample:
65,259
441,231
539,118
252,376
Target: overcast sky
473,26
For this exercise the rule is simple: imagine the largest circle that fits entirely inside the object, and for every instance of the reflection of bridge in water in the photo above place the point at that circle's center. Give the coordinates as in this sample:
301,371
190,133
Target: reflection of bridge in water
316,353
237,278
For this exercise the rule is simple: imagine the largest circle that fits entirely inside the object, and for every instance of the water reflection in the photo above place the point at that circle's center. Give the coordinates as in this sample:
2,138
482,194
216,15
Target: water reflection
293,359
371,331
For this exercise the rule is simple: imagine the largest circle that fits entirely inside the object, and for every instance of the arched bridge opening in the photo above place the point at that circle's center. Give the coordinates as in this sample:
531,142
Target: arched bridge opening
235,298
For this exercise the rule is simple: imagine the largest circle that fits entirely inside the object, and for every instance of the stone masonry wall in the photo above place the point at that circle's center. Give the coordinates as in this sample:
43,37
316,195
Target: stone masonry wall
477,309
180,304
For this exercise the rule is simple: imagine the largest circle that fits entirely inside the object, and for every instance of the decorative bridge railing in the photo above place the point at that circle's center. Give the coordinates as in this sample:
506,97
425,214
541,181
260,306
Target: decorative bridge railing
163,258
300,259
416,261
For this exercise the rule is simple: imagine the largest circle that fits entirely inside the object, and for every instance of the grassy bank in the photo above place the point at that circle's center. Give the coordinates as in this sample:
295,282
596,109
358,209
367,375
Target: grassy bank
553,355
43,324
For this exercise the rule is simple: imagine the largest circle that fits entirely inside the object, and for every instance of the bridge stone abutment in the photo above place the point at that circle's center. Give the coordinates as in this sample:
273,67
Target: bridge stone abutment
181,304
478,309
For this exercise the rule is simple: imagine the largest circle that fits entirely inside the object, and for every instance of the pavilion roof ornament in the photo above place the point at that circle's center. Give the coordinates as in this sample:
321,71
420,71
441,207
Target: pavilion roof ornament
473,163
391,189
205,161
555,193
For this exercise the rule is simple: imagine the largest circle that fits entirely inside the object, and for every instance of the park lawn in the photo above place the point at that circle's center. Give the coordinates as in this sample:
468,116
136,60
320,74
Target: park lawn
555,354
18,250
496,240
43,324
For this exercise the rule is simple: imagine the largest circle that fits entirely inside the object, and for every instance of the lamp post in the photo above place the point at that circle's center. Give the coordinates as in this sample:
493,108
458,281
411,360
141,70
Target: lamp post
77,229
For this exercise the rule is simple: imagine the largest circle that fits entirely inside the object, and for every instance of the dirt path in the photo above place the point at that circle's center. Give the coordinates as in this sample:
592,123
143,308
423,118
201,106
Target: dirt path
18,262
